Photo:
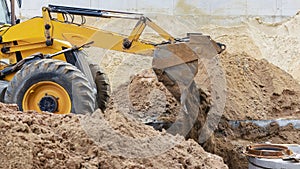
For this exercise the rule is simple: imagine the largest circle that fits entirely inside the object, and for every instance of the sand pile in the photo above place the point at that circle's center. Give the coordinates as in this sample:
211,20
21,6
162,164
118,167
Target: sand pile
151,98
32,140
256,90
278,43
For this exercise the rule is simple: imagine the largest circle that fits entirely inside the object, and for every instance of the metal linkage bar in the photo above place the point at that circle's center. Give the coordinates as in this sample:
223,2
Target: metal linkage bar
93,12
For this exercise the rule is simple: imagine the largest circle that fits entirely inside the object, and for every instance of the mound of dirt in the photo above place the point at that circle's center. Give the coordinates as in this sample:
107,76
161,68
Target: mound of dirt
278,43
33,140
151,98
256,90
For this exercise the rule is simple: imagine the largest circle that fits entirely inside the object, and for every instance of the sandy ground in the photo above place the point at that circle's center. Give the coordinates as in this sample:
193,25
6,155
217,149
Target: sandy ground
262,82
278,43
32,140
256,90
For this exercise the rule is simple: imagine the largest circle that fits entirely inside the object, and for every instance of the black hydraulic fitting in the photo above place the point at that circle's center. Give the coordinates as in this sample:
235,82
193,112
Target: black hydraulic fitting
126,43
49,42
5,49
47,26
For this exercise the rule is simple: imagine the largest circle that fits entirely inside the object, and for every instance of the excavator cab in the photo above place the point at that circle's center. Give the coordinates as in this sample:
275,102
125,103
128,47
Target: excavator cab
7,16
4,13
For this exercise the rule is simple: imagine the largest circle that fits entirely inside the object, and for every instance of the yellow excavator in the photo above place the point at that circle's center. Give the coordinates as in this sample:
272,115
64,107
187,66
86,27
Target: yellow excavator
43,66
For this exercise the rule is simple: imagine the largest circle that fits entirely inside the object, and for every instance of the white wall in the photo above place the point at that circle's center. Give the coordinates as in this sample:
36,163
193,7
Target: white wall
211,10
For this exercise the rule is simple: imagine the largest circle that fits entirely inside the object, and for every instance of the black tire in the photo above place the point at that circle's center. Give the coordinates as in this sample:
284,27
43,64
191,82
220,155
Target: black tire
73,81
102,84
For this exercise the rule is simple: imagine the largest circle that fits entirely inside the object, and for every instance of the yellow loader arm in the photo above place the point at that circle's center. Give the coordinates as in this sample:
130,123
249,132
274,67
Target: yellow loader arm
42,32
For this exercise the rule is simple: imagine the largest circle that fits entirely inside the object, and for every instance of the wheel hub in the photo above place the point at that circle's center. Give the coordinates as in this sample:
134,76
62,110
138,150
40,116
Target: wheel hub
48,103
47,96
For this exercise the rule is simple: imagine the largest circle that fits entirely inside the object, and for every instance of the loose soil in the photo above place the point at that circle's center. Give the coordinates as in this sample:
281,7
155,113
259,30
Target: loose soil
256,90
33,140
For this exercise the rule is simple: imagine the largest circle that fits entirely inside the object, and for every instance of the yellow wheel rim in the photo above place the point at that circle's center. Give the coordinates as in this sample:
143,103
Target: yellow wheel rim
41,91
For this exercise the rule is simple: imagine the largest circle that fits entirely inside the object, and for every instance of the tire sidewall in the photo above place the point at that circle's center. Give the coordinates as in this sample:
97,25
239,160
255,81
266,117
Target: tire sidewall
74,82
102,86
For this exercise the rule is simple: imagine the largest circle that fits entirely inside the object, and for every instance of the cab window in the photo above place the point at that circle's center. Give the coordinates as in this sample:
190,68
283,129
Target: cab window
4,13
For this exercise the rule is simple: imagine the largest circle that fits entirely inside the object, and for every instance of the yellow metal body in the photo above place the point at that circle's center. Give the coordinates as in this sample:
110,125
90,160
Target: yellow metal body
27,38
30,37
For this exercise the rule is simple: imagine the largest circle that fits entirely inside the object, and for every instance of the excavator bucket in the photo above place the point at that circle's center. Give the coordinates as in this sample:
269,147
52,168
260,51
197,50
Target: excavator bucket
176,65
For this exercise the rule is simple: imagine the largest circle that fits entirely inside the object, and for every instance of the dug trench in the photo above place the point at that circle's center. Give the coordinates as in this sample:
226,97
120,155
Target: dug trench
255,90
